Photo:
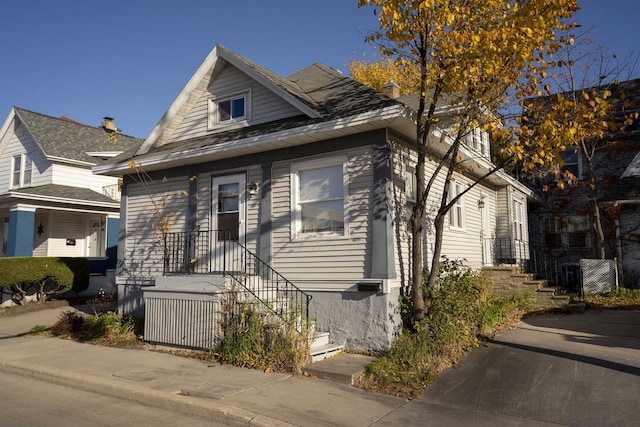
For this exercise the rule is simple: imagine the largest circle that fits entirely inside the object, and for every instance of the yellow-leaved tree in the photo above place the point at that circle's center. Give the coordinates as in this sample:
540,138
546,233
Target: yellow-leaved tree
474,55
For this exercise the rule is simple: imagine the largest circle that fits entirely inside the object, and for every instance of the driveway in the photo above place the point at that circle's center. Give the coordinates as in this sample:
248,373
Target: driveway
574,370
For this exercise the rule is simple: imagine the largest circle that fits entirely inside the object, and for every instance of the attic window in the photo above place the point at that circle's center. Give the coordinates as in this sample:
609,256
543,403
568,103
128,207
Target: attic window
230,109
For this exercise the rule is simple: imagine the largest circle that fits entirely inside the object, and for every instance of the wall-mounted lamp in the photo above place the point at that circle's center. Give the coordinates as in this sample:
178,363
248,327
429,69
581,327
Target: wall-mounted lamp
481,204
253,188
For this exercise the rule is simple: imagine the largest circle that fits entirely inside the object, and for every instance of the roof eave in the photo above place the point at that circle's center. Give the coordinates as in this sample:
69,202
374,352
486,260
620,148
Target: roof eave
163,159
64,200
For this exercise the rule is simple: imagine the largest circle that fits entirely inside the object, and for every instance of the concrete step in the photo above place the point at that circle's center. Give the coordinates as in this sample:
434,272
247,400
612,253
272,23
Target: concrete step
325,351
344,368
536,284
553,290
318,339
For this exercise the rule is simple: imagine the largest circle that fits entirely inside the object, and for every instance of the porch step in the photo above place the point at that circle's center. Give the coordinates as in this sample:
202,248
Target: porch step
553,290
536,284
345,368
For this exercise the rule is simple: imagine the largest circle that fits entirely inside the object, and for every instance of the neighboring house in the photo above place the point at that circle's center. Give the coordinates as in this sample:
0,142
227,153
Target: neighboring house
51,204
312,173
560,220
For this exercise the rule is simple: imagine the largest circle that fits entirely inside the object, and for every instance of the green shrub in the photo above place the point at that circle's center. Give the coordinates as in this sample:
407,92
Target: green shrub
43,276
69,323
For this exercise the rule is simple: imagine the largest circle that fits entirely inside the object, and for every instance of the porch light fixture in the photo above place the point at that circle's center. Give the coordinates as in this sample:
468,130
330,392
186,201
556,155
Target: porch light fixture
480,204
253,188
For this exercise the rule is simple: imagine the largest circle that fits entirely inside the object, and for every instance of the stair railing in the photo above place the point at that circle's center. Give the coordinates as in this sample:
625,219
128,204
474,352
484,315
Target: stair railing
194,253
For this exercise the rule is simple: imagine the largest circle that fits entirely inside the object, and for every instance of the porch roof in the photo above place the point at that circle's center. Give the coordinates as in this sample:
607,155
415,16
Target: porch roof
62,194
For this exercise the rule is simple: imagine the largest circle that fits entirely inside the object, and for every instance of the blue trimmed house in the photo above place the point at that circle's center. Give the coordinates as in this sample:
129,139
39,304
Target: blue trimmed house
51,204
296,186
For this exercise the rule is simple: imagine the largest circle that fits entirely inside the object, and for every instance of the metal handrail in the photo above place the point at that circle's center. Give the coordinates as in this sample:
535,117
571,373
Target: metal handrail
192,252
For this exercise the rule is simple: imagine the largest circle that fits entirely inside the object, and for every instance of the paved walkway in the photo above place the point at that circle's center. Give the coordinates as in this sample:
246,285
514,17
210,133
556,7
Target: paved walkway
569,370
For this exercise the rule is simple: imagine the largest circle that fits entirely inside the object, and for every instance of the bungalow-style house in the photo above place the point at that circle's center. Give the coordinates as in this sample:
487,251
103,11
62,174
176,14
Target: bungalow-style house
51,204
560,221
303,180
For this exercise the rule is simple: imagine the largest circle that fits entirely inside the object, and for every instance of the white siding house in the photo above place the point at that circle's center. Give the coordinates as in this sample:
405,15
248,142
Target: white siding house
311,175
51,204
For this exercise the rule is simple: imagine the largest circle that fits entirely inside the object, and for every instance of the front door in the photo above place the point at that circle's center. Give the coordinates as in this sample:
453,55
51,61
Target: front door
228,224
95,237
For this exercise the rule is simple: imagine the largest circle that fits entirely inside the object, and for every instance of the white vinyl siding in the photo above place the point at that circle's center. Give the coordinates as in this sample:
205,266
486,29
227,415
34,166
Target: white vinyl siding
40,241
265,105
19,144
143,251
325,258
67,237
80,177
455,245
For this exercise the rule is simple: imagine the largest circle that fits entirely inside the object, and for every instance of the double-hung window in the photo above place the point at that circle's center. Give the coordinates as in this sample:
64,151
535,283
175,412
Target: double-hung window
320,190
456,213
21,170
518,219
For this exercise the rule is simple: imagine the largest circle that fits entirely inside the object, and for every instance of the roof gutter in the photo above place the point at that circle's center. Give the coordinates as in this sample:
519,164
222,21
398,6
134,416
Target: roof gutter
52,199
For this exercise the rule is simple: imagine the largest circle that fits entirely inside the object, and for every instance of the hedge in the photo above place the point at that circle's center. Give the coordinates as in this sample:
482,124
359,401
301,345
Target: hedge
43,276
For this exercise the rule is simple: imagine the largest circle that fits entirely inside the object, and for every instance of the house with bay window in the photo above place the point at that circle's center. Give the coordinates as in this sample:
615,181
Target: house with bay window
51,204
297,188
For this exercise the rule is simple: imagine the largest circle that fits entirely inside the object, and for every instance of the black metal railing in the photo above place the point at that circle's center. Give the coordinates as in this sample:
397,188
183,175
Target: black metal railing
544,265
219,251
505,250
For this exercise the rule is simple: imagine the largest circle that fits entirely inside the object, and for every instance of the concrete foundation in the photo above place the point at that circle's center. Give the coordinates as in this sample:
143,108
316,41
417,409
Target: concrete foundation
360,320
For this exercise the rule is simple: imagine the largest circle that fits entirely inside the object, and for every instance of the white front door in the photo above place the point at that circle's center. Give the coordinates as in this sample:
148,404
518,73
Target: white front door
228,221
95,237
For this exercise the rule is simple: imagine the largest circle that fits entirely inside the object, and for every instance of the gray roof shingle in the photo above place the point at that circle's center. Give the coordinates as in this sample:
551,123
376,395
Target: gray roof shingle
324,89
68,140
66,192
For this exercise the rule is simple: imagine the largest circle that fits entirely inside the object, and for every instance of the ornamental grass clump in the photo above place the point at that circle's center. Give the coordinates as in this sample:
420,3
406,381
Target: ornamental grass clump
255,338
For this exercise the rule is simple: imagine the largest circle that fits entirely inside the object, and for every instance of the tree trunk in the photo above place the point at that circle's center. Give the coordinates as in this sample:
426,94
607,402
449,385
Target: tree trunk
594,212
437,251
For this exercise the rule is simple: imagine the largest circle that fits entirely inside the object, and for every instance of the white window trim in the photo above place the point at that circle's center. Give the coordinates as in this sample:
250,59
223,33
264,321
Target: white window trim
410,180
22,158
212,110
460,203
518,220
296,225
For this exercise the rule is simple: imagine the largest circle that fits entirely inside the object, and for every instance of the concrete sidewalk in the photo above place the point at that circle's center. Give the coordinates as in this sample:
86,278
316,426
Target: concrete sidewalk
581,370
193,387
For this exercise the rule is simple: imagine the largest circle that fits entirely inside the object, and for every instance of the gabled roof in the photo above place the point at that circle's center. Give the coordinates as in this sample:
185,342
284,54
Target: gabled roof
328,101
627,188
65,140
63,194
287,89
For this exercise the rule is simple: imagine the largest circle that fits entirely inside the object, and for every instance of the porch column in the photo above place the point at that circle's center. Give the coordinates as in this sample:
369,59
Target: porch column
113,231
265,215
383,266
21,225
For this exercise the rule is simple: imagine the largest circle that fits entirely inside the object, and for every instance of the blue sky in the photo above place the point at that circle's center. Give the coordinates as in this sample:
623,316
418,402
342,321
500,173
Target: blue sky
129,59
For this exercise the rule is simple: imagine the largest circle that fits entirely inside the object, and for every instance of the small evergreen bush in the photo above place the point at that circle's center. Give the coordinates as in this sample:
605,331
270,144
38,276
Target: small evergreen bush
43,276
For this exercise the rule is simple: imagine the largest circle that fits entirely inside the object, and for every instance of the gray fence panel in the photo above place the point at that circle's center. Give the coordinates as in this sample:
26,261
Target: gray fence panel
599,275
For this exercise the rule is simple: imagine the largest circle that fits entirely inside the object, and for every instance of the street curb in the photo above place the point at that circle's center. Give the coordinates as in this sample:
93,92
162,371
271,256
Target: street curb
186,405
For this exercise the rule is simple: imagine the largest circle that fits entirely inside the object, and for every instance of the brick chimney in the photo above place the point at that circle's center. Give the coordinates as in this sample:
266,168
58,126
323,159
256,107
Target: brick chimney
391,89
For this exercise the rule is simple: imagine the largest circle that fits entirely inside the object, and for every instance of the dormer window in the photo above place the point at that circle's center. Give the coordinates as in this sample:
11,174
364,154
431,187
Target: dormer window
227,110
